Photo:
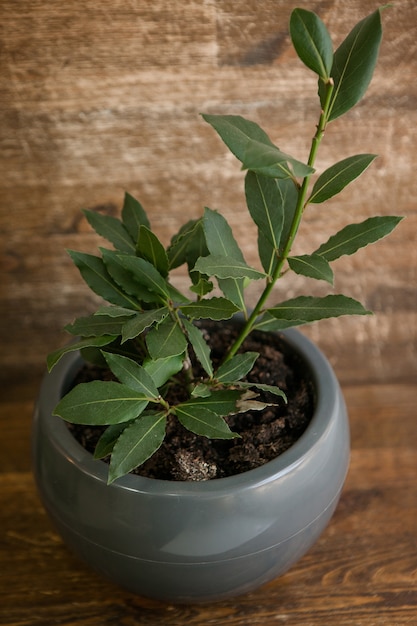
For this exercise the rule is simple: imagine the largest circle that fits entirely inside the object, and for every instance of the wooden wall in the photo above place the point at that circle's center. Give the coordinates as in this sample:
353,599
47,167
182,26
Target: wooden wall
104,96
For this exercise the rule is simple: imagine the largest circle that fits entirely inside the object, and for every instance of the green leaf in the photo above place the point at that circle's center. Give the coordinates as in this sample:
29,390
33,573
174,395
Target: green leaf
289,194
202,287
268,254
270,161
176,296
336,177
126,279
313,266
150,248
137,443
166,340
146,274
236,368
271,204
111,229
200,346
132,374
114,311
95,274
252,146
201,390
312,42
268,323
226,267
210,308
96,326
222,402
355,236
353,65
220,241
187,245
197,247
161,370
93,355
276,391
236,132
133,216
151,286
178,250
55,356
101,402
106,443
310,309
266,207
219,236
136,325
204,422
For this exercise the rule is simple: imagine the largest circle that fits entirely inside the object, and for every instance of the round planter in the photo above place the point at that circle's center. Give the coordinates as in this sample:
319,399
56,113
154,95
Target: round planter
187,541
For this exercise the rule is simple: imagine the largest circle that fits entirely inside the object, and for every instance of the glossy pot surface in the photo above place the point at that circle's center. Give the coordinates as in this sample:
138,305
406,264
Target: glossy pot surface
188,541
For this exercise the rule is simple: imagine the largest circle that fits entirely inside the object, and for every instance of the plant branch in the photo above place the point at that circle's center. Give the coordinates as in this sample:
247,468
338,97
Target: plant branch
187,364
302,202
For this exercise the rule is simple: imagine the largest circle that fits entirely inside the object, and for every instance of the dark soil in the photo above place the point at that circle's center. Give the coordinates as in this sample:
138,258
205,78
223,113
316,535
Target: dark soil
264,434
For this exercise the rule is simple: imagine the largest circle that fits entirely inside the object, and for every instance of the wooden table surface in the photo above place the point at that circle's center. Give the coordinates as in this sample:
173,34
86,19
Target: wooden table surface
362,571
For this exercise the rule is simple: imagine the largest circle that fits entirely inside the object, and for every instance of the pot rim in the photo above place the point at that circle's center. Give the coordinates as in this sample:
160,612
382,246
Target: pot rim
327,402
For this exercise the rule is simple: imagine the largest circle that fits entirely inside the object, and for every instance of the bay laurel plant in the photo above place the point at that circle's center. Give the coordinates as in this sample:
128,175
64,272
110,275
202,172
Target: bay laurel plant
146,331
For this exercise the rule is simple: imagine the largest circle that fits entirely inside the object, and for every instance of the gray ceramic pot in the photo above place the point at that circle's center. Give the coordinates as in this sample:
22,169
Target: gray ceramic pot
194,542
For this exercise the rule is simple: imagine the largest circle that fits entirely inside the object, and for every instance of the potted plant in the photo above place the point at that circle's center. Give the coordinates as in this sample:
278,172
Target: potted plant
188,369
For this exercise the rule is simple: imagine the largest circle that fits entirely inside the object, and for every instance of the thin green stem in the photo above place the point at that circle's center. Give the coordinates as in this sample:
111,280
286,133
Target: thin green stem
187,365
302,202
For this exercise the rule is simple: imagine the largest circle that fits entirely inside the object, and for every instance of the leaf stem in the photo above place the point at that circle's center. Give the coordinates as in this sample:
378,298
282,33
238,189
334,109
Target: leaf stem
302,202
187,367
